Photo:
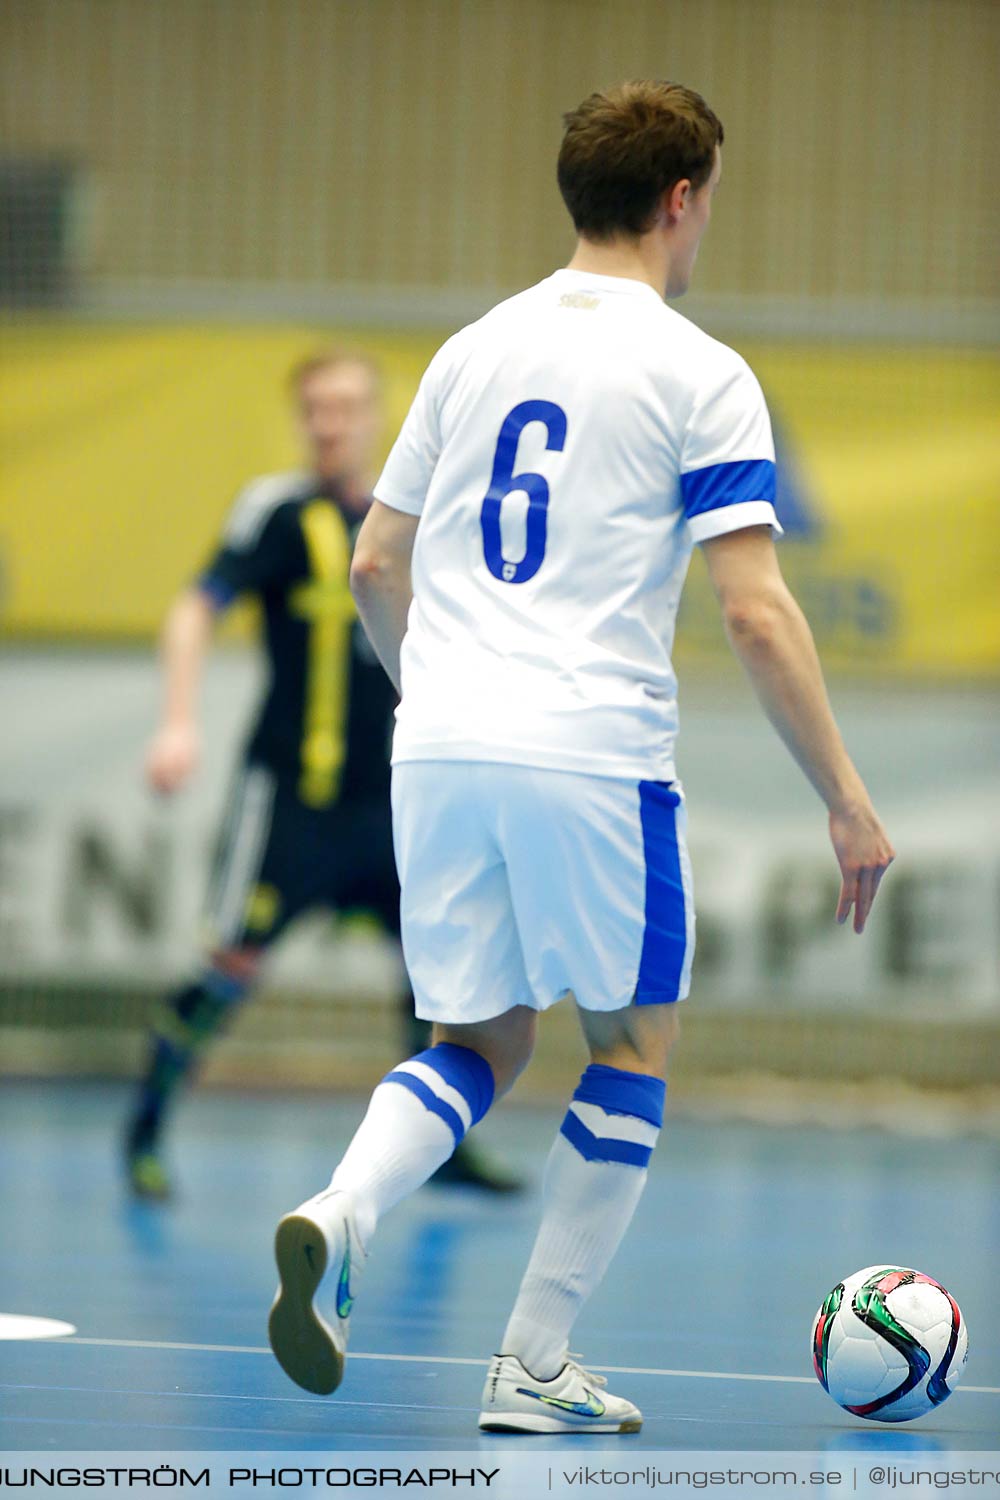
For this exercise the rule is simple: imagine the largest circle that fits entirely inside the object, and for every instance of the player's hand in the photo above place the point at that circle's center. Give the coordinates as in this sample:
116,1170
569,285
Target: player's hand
172,757
864,853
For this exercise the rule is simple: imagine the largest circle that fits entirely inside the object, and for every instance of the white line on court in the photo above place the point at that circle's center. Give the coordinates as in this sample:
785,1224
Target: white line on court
452,1359
11,1385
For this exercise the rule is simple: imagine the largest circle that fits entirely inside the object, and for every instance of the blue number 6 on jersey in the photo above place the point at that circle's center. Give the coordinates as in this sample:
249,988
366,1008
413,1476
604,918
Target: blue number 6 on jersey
504,482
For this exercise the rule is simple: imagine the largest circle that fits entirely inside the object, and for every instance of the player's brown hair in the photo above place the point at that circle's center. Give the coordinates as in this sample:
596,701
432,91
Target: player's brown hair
329,359
625,147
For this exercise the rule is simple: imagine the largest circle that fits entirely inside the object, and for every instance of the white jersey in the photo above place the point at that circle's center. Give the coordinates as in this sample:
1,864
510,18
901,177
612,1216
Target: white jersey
564,454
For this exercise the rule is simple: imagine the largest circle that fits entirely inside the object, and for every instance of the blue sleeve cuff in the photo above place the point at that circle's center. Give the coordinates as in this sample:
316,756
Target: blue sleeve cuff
720,485
219,593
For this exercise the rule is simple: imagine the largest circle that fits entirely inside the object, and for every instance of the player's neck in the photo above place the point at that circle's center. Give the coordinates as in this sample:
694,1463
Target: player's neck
354,490
638,260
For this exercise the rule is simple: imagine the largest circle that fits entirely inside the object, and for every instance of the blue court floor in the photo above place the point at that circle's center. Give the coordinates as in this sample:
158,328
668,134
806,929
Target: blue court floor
704,1319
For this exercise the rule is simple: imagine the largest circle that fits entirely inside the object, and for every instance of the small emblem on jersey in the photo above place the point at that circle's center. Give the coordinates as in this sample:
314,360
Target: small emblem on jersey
579,300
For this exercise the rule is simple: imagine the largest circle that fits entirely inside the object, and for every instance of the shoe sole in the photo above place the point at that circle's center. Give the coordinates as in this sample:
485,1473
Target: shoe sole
302,1343
527,1422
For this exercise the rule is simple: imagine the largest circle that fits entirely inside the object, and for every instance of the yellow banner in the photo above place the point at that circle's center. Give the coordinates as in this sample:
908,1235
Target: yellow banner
121,448
889,488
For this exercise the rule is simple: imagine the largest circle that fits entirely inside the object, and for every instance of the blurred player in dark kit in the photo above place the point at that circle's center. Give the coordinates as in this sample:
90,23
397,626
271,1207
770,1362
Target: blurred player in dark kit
308,821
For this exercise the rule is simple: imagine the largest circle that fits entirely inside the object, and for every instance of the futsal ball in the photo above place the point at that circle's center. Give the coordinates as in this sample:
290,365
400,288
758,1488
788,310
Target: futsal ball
889,1344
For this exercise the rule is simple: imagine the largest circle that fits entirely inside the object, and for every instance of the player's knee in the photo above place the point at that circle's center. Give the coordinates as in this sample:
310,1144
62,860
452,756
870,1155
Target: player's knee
520,1045
506,1043
639,1039
507,1069
670,1026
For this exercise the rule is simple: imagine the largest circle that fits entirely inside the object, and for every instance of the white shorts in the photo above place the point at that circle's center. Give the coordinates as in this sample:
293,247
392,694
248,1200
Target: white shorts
521,885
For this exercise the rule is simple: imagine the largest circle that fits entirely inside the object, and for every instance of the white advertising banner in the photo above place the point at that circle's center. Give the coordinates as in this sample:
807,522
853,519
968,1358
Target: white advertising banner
115,891
101,881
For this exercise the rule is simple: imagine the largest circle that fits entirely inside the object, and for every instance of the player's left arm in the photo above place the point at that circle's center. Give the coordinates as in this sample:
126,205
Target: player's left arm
380,580
728,492
771,637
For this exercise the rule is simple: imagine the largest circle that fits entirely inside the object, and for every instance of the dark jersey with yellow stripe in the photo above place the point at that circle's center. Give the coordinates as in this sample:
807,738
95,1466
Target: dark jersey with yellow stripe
326,718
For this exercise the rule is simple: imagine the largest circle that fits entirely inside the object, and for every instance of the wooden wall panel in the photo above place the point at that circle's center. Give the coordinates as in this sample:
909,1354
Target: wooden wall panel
412,142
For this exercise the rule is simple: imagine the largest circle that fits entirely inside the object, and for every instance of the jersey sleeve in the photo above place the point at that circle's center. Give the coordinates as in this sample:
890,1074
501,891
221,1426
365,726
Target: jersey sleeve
404,481
257,551
727,474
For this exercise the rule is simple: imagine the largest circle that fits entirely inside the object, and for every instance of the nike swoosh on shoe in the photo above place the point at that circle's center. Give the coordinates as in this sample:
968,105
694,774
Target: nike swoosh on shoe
592,1407
344,1299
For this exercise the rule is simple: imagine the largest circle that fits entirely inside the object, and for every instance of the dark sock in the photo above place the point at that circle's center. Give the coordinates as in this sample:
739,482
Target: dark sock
182,1028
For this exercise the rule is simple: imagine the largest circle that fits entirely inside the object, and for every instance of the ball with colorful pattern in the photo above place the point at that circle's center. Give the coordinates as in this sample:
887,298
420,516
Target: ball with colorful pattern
889,1344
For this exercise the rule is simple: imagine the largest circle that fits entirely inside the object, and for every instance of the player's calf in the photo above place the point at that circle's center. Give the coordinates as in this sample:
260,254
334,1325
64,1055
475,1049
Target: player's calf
506,1042
184,1026
636,1039
594,1178
417,1116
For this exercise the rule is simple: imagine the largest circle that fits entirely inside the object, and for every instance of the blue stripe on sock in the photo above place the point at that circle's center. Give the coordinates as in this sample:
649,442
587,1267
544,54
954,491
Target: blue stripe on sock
430,1101
603,1148
621,1093
465,1071
664,943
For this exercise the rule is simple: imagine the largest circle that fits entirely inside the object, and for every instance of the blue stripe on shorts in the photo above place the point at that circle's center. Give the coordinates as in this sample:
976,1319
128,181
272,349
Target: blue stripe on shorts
664,944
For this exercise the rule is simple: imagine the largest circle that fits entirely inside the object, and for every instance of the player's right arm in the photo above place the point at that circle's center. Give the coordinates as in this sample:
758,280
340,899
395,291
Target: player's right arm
258,551
771,637
175,749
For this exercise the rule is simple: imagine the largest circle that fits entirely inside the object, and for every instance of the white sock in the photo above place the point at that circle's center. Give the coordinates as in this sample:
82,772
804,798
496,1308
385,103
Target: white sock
594,1178
417,1116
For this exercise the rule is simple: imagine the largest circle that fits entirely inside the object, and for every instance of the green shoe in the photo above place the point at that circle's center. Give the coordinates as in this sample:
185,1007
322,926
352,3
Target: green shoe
146,1175
472,1166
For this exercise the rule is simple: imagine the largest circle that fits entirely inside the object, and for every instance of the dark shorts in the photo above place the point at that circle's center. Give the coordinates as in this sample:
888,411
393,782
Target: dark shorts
278,858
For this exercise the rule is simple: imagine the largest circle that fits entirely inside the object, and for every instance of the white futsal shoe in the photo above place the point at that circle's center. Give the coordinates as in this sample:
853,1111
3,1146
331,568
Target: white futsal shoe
574,1401
320,1262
